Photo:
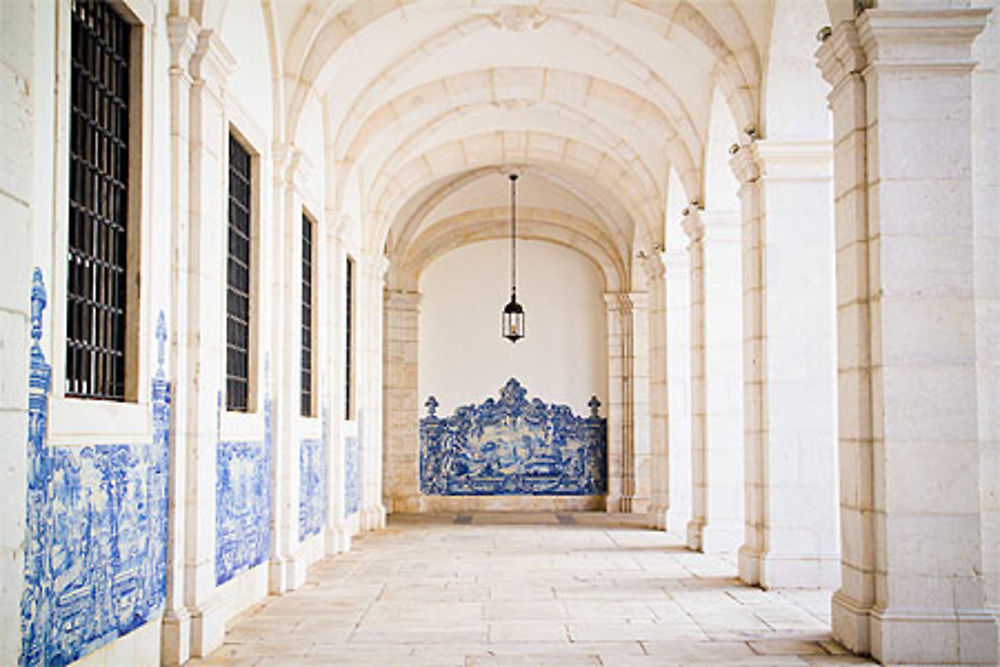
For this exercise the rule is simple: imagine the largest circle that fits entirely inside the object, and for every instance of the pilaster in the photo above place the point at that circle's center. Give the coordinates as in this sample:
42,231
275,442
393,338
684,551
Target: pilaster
788,364
677,322
716,421
176,636
200,392
915,592
401,400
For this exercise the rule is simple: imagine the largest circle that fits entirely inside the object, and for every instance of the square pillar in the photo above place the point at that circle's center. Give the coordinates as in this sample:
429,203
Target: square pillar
913,589
716,376
401,401
677,320
789,365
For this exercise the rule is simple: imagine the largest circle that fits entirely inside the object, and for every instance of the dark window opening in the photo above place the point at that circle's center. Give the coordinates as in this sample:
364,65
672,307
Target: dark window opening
98,202
306,400
349,340
238,279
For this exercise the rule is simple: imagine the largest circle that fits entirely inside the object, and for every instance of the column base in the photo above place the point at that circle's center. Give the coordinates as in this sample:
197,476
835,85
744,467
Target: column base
277,575
772,570
963,636
407,504
338,539
849,623
175,640
658,517
694,531
373,517
677,520
208,628
748,565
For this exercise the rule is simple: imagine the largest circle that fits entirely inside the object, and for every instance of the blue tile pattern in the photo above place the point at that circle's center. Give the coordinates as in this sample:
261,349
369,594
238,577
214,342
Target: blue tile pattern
243,503
96,525
513,447
352,475
312,487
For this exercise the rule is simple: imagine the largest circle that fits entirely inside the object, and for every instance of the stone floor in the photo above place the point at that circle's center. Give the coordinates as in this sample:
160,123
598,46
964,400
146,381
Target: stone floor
529,589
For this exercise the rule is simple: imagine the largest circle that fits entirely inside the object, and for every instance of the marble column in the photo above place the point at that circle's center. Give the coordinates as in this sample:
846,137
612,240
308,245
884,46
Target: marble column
175,640
372,270
909,443
789,367
716,421
678,332
658,397
401,402
199,384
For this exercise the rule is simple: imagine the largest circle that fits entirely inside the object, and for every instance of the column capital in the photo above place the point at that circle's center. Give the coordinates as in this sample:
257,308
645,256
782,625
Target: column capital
182,33
784,160
212,63
652,265
915,38
403,300
291,165
840,56
692,224
618,302
745,163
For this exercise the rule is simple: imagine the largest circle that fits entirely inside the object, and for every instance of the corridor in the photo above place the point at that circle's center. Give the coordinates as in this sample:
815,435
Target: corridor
529,589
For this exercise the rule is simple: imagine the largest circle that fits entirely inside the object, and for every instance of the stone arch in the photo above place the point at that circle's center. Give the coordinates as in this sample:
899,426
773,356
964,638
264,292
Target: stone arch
585,162
486,224
738,62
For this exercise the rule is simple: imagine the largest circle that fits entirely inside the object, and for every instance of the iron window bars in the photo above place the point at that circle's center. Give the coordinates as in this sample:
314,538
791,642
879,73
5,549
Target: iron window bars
98,202
306,400
238,279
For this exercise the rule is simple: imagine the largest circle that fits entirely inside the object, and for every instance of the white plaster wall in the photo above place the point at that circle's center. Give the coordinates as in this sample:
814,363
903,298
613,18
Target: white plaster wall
463,359
249,86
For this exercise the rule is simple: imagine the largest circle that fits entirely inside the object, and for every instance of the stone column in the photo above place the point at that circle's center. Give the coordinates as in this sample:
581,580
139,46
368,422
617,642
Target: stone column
619,335
716,423
788,365
199,385
338,538
286,570
401,402
910,457
175,640
678,332
986,203
372,269
658,397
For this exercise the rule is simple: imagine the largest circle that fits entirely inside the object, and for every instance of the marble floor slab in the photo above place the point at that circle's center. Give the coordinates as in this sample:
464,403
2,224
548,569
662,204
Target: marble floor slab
530,589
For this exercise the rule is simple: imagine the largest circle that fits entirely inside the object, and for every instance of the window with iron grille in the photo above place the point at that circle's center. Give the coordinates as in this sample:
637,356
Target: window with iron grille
307,311
238,279
98,202
349,340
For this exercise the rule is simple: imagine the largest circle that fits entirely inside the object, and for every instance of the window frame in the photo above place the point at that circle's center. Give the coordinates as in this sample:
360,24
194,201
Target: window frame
350,337
308,410
253,324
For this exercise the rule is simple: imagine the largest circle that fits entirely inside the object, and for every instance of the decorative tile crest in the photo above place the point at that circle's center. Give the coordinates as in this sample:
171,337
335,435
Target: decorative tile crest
513,447
96,529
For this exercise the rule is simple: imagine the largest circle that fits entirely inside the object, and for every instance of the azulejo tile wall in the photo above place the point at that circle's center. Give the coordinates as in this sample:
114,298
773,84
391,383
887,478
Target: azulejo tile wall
243,502
513,447
96,525
352,475
312,485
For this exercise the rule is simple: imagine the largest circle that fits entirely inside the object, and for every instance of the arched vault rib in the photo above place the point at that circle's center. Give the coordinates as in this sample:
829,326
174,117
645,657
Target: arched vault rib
583,100
738,68
609,142
405,230
592,165
488,224
661,95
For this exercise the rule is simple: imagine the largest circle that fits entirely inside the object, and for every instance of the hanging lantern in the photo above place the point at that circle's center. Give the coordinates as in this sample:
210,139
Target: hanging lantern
513,313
